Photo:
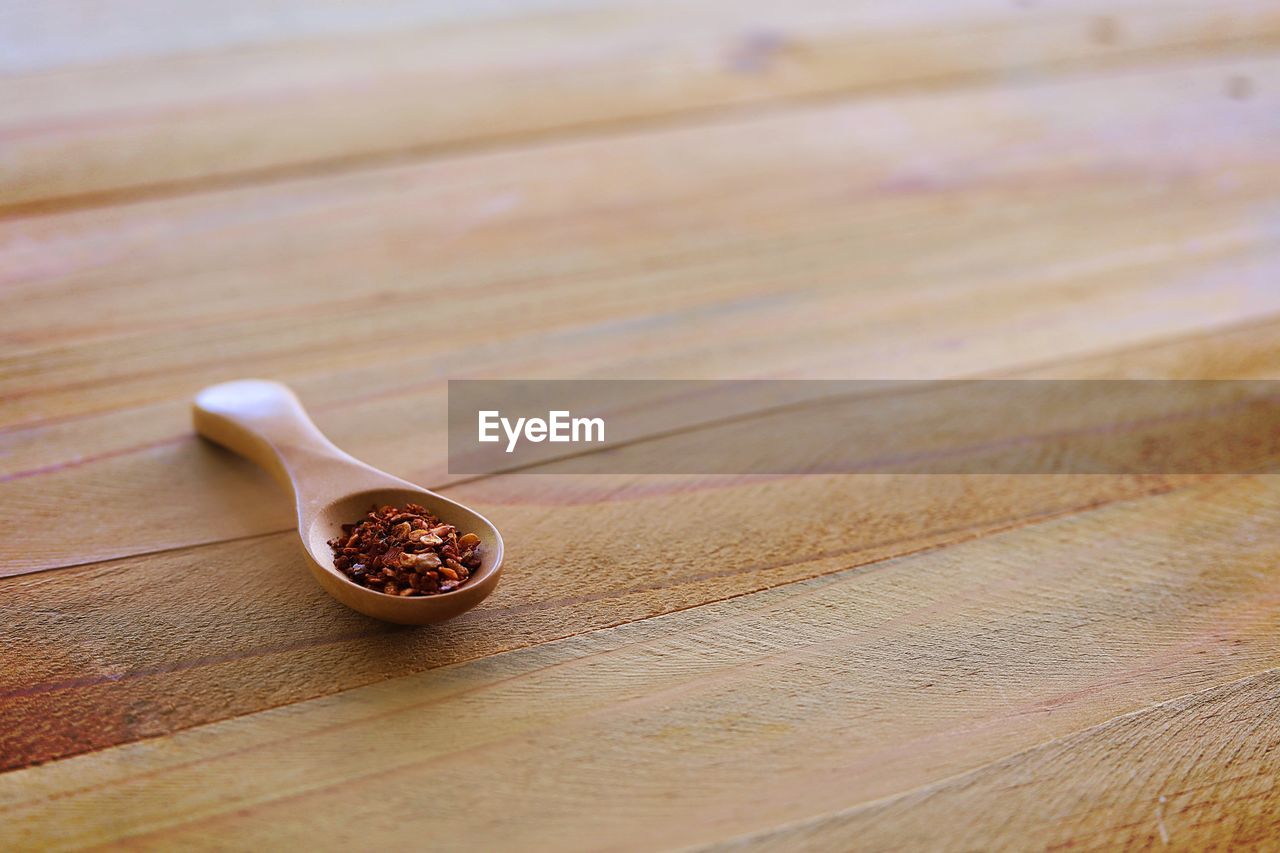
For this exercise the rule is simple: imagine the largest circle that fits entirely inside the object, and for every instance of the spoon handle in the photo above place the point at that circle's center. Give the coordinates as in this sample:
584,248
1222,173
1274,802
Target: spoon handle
265,423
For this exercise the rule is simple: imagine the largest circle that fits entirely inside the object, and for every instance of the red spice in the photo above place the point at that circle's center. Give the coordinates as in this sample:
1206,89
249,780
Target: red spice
405,551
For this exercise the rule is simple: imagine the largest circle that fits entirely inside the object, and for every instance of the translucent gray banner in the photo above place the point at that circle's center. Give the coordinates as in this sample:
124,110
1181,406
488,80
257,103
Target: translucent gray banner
856,426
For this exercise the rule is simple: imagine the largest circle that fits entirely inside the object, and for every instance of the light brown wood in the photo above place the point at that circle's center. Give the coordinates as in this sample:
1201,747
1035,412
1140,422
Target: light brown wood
90,110
772,274
265,422
295,658
127,670
1193,773
776,707
704,189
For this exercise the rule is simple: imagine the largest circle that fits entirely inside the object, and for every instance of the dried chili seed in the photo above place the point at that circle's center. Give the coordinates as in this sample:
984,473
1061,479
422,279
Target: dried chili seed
405,551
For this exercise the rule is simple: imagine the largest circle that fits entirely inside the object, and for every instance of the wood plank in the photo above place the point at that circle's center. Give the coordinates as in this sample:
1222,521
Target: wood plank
1195,773
61,33
145,465
1188,239
607,188
171,490
821,182
211,94
132,672
850,688
843,260
199,634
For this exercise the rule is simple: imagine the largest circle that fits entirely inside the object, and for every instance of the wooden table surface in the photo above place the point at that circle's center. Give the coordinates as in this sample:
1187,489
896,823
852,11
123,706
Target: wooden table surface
364,200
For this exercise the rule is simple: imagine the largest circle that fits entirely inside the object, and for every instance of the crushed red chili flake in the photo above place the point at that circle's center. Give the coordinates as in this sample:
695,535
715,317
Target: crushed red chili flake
405,551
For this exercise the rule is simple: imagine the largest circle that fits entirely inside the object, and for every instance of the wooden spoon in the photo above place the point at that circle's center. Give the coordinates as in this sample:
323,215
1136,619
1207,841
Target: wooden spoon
264,422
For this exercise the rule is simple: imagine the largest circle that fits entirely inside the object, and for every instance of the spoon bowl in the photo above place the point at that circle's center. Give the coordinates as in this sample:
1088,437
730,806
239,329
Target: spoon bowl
327,523
264,422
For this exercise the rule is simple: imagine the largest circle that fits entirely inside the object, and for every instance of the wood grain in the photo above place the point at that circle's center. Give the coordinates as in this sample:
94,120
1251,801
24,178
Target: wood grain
319,264
364,200
92,107
781,706
660,286
152,683
1194,773
199,634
